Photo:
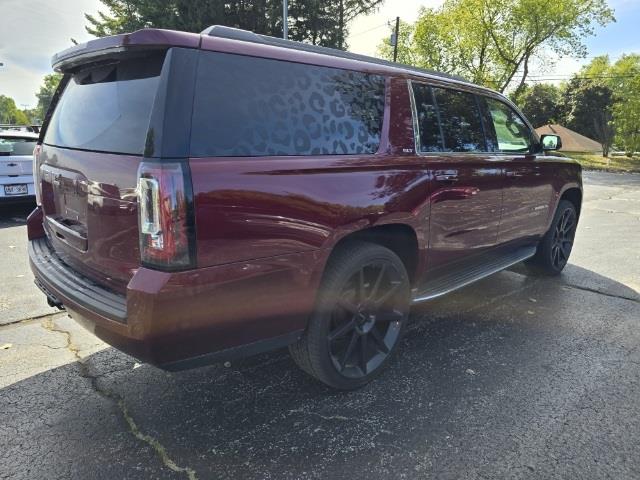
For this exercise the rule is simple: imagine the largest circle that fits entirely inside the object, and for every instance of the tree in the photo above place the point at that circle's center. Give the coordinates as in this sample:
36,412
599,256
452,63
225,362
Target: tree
601,102
9,113
624,78
45,93
315,21
626,114
588,110
492,42
540,103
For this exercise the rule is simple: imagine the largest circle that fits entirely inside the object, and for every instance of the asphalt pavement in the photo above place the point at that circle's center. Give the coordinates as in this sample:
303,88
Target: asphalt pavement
513,377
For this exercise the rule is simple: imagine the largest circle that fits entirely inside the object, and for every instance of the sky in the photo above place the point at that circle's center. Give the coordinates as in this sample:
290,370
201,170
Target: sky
31,31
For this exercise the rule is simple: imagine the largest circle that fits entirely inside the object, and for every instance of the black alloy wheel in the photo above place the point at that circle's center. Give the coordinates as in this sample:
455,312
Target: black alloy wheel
554,248
562,240
361,313
366,323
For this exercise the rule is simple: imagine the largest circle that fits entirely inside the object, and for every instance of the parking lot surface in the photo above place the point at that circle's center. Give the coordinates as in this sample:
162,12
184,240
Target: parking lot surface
513,377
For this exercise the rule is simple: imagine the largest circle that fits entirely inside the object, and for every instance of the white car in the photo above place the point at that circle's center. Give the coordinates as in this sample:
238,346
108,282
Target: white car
16,165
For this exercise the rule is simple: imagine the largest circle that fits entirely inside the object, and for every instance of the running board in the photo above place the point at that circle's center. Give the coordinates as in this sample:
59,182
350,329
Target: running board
484,266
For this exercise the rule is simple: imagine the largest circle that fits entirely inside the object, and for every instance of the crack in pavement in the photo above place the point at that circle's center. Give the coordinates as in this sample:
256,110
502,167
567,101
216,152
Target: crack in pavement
600,292
32,319
118,400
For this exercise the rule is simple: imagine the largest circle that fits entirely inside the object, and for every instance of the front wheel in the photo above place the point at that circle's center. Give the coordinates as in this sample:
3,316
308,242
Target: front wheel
360,316
555,247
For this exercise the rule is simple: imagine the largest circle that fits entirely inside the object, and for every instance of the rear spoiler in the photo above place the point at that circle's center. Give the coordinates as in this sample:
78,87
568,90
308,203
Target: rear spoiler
145,39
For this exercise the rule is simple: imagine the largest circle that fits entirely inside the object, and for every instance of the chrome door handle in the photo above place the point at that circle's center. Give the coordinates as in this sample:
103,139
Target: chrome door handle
512,174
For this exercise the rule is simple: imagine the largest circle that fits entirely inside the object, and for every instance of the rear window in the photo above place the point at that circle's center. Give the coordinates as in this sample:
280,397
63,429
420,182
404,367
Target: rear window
107,108
247,106
17,146
460,121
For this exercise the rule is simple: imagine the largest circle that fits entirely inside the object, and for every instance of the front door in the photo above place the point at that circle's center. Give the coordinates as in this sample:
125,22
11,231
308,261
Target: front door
527,193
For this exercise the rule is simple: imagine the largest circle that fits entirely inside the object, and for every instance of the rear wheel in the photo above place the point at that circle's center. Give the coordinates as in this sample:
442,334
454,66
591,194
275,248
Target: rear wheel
360,316
555,247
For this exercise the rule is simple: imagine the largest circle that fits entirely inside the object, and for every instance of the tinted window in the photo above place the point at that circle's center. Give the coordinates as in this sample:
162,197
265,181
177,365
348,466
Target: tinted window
428,124
247,106
17,146
507,130
460,121
107,108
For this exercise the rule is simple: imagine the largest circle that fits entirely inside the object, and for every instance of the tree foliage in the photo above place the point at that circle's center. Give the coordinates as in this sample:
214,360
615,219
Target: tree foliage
45,93
587,109
9,113
320,22
624,80
540,103
492,42
602,101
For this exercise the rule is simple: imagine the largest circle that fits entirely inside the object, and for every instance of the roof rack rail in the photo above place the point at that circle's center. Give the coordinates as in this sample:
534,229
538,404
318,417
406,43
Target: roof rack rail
222,31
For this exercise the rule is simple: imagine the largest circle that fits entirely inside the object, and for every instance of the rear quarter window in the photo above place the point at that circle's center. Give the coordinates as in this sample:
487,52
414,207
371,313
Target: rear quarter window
247,106
107,108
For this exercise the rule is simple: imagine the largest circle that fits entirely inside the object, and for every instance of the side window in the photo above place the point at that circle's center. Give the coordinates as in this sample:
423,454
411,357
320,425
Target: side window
427,119
248,106
511,133
460,121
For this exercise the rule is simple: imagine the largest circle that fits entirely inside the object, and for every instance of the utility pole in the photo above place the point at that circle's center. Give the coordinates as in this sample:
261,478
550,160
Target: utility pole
395,39
285,19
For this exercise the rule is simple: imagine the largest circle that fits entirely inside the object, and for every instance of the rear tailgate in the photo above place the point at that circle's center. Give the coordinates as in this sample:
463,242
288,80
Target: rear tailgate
90,213
15,165
88,163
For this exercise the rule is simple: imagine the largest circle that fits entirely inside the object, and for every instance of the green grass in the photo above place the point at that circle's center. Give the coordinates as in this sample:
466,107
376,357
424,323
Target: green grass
612,164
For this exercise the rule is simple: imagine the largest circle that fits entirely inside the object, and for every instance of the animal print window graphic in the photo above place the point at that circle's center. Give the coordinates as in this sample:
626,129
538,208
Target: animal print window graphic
247,106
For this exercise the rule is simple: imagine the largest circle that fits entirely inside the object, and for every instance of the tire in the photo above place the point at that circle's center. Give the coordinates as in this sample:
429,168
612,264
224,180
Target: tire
555,247
361,313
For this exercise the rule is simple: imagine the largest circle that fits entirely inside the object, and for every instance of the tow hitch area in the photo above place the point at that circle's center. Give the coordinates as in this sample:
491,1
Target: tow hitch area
51,298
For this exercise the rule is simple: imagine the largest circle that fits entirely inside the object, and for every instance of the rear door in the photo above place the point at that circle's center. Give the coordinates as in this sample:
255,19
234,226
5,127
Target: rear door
88,165
527,190
466,186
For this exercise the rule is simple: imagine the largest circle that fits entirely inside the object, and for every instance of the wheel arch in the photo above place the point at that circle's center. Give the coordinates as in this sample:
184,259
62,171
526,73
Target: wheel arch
573,195
400,238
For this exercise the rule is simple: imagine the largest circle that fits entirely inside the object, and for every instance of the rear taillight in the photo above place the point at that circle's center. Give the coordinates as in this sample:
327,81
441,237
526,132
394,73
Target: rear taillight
36,173
165,212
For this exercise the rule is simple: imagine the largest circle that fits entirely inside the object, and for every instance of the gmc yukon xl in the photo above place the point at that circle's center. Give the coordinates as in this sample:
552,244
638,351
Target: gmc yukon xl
207,196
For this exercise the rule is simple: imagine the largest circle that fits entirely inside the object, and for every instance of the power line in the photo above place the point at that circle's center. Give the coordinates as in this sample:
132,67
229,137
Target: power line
369,30
588,77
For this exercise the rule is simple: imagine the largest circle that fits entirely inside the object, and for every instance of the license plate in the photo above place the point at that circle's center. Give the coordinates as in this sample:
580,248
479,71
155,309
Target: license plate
16,189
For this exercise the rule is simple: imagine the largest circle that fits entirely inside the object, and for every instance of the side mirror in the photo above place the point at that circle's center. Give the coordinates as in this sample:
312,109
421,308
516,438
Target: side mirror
550,142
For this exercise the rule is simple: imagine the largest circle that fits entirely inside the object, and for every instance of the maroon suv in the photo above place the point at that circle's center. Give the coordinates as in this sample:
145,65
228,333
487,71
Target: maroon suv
205,197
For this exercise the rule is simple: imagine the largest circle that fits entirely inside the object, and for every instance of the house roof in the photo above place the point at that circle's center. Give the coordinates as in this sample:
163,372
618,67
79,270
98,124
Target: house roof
571,141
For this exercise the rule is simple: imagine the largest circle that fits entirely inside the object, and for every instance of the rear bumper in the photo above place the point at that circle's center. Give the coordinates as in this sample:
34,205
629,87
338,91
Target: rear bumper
188,319
53,275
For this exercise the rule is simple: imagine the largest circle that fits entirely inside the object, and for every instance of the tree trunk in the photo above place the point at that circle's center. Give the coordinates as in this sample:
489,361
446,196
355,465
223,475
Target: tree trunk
525,72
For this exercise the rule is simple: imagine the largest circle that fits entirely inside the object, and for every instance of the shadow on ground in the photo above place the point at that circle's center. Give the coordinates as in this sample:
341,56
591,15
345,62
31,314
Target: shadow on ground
514,376
15,214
